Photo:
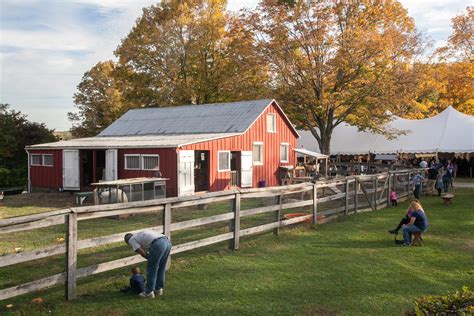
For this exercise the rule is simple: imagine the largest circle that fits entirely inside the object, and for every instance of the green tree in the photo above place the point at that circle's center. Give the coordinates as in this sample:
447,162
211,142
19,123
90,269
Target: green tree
99,100
336,61
16,132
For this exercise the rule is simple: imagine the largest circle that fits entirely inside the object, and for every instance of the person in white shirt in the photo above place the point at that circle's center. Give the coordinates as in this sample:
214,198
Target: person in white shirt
423,164
154,247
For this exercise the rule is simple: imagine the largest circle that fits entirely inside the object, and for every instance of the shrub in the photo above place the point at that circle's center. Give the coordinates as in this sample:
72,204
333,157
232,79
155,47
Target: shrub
13,177
458,303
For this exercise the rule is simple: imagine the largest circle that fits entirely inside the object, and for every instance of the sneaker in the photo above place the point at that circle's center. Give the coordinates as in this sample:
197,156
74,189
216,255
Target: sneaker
159,292
147,295
393,231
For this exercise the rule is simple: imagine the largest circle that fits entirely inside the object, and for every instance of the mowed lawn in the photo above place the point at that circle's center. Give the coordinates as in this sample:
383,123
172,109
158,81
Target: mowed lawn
349,266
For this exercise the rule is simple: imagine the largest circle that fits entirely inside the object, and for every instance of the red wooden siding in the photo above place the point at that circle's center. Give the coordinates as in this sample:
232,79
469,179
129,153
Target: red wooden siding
168,166
48,177
269,171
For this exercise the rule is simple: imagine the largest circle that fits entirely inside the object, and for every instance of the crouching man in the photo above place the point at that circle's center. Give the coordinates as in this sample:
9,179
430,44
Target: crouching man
154,247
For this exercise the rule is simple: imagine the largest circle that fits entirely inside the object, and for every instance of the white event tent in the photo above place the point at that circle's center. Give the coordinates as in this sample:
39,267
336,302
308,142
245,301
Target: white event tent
447,132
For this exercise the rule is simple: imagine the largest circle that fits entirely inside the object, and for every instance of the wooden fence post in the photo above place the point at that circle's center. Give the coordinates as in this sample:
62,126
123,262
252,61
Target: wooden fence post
408,185
356,194
346,208
234,243
167,228
388,189
276,231
71,255
376,186
315,204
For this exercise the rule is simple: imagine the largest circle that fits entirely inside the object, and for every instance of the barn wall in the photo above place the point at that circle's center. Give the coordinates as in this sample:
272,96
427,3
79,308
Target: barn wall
269,171
47,177
168,166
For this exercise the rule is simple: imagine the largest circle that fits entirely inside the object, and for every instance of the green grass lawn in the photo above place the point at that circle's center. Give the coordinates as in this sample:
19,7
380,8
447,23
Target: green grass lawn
349,266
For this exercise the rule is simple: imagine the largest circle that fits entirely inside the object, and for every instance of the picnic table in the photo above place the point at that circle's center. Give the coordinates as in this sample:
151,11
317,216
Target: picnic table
447,199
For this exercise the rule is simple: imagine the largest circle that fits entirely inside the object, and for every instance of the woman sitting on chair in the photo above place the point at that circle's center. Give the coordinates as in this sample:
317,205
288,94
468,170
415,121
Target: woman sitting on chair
405,219
418,222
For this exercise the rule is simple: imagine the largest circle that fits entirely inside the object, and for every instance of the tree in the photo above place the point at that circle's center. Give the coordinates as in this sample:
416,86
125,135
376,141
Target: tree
336,61
189,52
450,78
99,100
16,132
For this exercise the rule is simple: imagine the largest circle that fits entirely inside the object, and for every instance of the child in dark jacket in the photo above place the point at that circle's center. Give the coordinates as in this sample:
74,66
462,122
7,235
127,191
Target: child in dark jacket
137,282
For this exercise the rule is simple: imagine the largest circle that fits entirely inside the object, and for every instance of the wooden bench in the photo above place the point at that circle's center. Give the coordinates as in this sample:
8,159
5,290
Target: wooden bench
417,239
82,196
448,199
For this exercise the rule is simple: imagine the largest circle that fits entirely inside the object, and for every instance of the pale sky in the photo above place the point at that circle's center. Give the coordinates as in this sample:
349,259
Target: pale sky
47,45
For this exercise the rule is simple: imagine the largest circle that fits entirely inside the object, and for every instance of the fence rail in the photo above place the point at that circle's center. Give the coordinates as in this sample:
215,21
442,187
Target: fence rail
357,193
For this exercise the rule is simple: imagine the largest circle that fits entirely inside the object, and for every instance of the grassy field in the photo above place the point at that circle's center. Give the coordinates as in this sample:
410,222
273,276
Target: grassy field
349,266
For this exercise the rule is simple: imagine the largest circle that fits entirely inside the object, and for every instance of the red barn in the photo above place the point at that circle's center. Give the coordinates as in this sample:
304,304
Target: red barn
209,147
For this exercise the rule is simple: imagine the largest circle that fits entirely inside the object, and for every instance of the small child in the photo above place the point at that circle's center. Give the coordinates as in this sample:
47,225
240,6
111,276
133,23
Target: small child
393,198
137,282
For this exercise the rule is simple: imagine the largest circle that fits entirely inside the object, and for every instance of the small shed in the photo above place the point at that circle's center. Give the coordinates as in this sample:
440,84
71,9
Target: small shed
199,148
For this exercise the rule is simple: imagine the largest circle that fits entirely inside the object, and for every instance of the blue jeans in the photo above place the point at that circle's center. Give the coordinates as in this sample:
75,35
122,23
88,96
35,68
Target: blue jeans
416,193
156,267
408,230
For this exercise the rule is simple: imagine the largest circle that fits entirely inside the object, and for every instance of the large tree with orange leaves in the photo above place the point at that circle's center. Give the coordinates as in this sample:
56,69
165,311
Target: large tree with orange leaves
336,61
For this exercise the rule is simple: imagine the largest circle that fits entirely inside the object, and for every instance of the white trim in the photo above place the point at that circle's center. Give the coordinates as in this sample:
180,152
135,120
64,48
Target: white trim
52,160
34,164
274,121
258,163
223,151
29,172
282,112
287,152
153,156
132,155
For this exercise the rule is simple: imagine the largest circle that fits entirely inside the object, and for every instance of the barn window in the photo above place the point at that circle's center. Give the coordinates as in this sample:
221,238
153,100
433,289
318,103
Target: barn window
150,162
132,162
223,160
36,160
257,153
48,160
284,152
271,123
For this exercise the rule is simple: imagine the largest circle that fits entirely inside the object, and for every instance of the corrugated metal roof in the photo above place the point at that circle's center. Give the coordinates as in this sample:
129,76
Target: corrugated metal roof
156,141
233,117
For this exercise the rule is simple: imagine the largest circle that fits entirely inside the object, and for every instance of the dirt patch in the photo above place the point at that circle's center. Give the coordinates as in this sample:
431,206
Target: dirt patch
317,310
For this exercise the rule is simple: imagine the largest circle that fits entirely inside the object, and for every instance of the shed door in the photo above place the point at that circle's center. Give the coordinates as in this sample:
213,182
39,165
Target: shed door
246,169
71,170
185,172
111,165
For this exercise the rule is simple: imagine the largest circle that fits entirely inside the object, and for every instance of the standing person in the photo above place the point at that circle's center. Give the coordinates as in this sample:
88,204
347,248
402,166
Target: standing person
450,167
154,247
393,197
439,181
432,174
446,179
417,182
423,163
418,222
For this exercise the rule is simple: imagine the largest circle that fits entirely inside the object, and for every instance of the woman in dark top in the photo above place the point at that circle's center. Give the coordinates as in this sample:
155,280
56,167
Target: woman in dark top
418,222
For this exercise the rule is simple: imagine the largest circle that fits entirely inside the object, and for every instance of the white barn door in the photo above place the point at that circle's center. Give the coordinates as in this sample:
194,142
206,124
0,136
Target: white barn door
246,174
71,175
185,172
111,165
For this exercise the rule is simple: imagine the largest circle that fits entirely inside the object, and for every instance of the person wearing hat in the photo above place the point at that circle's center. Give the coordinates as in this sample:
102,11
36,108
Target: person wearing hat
155,247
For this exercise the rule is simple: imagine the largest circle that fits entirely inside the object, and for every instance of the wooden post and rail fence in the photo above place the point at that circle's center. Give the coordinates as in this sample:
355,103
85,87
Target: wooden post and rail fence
356,193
